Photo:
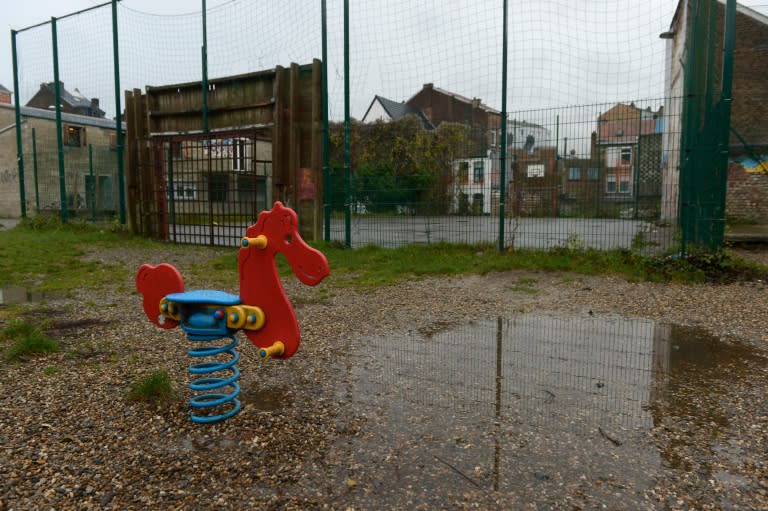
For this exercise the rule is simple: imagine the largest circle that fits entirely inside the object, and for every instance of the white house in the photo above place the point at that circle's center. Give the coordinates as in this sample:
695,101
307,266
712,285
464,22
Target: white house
472,185
527,135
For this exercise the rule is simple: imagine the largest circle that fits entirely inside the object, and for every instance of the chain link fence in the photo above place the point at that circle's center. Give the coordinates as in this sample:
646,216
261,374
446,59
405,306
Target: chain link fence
523,125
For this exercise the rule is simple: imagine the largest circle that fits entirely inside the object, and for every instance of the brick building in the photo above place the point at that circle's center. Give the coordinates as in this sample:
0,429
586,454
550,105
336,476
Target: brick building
747,193
440,106
71,102
5,95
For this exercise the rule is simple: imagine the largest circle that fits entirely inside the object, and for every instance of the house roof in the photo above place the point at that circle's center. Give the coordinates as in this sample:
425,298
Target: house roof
83,120
458,97
399,110
523,124
74,99
3,89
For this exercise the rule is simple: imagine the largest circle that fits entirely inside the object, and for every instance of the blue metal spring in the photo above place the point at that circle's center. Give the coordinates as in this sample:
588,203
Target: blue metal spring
206,384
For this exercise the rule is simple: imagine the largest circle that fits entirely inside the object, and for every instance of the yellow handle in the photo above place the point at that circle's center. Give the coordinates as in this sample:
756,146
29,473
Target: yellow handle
259,242
276,349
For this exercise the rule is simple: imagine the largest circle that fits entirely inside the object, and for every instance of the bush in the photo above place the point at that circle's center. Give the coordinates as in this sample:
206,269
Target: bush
28,341
155,387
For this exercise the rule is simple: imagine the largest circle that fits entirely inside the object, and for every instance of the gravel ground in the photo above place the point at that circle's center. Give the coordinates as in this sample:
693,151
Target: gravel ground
309,438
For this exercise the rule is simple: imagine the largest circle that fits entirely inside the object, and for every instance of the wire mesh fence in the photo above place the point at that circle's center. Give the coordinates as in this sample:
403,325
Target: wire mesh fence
589,176
527,125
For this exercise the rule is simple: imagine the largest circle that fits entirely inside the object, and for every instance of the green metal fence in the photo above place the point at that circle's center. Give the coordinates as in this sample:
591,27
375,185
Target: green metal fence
520,125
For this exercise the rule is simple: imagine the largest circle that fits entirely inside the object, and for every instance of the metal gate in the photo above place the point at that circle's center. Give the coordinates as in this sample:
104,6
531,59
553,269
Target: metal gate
214,185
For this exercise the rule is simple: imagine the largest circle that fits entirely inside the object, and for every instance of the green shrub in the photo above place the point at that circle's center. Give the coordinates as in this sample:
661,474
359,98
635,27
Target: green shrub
155,387
28,340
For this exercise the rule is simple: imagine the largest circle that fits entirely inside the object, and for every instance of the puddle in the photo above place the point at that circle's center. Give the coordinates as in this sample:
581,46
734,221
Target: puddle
265,399
207,444
532,406
17,294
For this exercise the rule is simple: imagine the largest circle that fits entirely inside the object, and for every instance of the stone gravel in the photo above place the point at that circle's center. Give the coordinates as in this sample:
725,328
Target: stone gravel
69,438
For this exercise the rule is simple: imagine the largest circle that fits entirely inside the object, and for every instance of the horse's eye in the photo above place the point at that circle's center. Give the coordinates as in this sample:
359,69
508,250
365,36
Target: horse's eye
288,239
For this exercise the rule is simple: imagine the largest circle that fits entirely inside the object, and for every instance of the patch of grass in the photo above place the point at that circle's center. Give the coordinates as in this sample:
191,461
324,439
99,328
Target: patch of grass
155,387
51,370
371,266
42,254
28,340
525,285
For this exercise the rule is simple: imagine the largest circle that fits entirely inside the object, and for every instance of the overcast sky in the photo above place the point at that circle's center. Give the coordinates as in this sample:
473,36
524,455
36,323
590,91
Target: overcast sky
562,52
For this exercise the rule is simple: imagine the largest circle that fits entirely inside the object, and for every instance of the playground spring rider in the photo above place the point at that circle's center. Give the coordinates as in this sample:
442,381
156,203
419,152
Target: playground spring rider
262,311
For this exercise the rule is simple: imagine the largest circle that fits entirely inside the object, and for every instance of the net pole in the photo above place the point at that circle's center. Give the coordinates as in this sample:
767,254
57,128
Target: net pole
59,138
347,136
118,115
17,110
503,141
205,69
326,143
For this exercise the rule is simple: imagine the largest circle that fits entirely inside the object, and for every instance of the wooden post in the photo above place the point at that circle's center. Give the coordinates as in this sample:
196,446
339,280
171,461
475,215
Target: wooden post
293,136
132,175
278,138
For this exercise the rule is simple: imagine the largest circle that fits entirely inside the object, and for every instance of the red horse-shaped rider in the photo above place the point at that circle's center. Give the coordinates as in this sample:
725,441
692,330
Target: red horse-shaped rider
276,332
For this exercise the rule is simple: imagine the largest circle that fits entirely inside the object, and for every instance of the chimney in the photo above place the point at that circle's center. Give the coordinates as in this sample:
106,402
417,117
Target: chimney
475,102
593,145
95,102
429,85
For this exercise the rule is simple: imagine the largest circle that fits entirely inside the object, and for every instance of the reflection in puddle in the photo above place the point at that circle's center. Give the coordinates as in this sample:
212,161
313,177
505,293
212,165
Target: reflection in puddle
207,444
266,399
17,294
524,405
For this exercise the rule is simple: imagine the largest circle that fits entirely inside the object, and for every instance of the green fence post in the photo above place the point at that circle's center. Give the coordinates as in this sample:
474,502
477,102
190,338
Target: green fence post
636,184
503,141
347,136
17,110
34,168
91,190
118,116
205,69
723,121
59,139
326,134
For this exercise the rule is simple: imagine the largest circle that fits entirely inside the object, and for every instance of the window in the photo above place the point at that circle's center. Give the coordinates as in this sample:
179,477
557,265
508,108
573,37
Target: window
624,184
593,173
619,156
184,190
74,136
218,185
176,149
250,190
626,156
478,174
113,141
610,183
493,138
239,152
574,173
536,170
463,175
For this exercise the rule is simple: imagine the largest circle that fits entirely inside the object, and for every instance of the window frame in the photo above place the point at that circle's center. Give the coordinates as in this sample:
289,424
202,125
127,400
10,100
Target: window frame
478,172
185,186
72,140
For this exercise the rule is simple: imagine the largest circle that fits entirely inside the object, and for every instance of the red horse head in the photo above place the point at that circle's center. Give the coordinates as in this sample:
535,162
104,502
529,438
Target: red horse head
276,231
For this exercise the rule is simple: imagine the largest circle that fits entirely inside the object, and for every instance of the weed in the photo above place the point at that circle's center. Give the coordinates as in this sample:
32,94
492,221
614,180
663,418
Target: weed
28,341
155,387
